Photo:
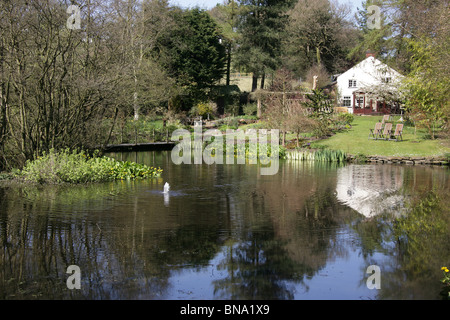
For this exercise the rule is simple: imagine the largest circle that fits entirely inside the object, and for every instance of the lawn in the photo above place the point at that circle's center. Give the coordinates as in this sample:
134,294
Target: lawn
244,82
355,141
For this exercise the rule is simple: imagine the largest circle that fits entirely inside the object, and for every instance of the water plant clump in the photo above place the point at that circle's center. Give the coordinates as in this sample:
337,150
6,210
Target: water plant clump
321,155
78,167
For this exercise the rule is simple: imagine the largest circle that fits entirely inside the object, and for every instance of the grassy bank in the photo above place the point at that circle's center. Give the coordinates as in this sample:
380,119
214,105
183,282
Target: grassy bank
355,141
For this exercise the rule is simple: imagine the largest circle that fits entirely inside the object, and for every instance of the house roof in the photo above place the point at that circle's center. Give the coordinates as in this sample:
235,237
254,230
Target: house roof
373,64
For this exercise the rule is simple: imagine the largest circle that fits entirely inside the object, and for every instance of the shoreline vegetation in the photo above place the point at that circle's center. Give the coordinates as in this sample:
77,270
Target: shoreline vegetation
347,135
78,167
87,85
348,144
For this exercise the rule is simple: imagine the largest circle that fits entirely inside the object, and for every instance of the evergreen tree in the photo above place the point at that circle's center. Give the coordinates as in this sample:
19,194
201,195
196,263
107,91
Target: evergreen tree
262,26
194,54
372,37
226,16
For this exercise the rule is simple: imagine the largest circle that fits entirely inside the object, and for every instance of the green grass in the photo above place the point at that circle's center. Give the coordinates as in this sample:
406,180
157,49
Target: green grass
244,82
355,141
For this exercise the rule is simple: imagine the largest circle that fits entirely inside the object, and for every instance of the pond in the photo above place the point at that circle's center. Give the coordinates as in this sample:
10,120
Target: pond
227,232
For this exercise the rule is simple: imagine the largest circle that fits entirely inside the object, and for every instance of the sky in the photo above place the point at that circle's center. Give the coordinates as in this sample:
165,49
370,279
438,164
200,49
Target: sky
208,4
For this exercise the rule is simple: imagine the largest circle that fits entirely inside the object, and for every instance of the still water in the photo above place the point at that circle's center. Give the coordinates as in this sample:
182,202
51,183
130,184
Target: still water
226,232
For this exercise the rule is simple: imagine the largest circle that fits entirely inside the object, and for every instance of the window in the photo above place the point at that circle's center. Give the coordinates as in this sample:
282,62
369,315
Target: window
352,83
360,102
347,102
386,80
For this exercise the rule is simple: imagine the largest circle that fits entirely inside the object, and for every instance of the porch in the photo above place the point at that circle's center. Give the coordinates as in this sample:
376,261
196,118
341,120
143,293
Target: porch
367,104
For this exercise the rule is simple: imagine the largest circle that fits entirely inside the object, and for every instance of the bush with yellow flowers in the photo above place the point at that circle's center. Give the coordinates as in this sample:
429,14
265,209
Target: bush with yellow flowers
446,280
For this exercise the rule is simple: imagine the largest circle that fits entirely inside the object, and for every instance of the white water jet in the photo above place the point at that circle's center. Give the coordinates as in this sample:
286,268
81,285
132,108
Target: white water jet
166,187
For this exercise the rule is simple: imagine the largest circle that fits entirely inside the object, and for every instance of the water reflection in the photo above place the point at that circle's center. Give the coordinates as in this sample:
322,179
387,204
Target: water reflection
371,189
226,232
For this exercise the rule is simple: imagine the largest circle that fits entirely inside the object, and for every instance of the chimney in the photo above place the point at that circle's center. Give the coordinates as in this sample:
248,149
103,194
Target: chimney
370,54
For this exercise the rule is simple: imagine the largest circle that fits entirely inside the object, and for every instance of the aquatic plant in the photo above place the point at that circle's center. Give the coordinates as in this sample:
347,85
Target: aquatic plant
254,153
78,167
322,155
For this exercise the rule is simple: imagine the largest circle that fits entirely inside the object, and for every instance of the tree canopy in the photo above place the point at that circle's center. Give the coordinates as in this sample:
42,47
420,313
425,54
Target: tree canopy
195,55
64,84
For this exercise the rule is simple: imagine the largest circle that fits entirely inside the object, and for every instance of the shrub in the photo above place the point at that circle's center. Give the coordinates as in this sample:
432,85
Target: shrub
250,109
5,176
77,167
205,109
346,118
446,282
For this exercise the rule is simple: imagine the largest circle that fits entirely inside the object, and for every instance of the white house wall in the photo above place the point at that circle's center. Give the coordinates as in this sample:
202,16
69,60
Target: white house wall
368,72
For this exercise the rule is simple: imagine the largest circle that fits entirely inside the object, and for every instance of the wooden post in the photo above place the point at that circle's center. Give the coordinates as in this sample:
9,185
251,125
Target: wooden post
258,108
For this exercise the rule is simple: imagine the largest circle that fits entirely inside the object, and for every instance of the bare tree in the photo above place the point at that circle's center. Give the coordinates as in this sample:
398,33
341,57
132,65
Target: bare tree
284,108
53,78
319,34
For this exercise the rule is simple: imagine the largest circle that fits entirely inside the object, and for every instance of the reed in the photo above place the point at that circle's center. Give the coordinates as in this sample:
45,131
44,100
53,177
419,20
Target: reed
323,155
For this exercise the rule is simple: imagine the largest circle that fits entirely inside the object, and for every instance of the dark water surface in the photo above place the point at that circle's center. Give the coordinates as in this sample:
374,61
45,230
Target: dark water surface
226,232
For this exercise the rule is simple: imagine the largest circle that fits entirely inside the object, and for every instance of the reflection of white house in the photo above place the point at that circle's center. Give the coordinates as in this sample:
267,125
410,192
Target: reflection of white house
369,87
370,190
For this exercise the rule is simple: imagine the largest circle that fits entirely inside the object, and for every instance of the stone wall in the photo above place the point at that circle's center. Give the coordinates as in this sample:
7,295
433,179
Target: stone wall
403,160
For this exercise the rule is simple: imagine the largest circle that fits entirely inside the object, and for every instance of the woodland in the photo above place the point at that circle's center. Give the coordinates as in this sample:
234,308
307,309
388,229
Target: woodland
71,71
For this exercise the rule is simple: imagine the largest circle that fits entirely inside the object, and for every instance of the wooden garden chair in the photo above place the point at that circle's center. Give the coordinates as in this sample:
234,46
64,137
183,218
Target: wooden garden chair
386,118
374,133
397,136
386,131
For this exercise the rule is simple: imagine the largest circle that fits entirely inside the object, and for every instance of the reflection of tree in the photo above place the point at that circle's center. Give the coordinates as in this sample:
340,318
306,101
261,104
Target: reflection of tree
45,231
418,240
422,238
36,249
257,269
124,247
270,235
187,245
268,262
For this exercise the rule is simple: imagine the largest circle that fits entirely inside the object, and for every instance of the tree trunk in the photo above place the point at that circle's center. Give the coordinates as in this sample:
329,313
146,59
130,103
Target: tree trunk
112,126
228,64
258,108
254,82
318,56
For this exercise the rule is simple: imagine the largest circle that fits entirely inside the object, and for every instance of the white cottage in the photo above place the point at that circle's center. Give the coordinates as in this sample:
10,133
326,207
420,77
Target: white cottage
370,87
